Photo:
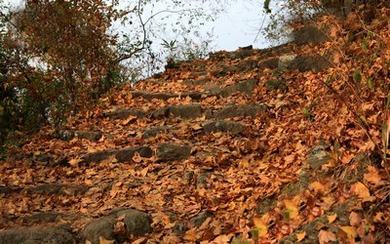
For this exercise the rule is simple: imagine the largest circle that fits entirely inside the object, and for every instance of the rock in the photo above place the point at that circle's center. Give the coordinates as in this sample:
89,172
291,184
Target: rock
309,34
150,96
202,180
8,190
318,156
38,235
165,96
100,228
171,152
57,189
152,132
67,135
186,111
192,82
121,155
38,218
314,63
245,87
124,113
90,135
249,110
271,63
224,70
201,217
180,228
296,187
135,222
192,95
276,85
285,61
126,155
160,113
224,126
97,157
266,205
246,65
188,177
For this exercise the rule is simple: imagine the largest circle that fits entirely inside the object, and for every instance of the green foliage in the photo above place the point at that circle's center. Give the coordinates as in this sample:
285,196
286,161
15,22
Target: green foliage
357,76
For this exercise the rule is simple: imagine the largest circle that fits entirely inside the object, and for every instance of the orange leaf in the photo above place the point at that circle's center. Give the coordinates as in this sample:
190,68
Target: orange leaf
361,191
326,237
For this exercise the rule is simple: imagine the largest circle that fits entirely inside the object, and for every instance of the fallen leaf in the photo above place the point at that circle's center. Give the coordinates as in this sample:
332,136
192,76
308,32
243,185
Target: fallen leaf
317,187
372,176
355,219
190,235
360,190
75,162
350,231
291,208
332,218
300,236
104,241
326,237
261,225
222,239
129,120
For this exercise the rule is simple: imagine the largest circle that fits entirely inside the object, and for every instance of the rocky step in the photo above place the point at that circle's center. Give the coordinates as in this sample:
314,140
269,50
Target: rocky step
190,111
165,95
46,189
227,126
303,63
246,86
68,135
314,228
164,152
118,226
38,234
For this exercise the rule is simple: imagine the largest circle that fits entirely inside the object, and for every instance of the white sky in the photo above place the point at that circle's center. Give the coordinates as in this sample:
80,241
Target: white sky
237,26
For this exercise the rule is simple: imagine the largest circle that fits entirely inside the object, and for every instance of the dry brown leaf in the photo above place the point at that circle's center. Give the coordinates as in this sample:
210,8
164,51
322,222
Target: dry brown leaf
129,120
360,190
332,218
326,237
104,241
75,162
317,187
261,224
355,219
301,235
372,176
350,231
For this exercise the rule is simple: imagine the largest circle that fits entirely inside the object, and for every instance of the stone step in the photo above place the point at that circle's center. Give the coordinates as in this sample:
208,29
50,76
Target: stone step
247,110
40,218
210,126
245,86
190,111
313,228
165,95
120,155
134,222
46,189
67,135
101,230
165,152
38,234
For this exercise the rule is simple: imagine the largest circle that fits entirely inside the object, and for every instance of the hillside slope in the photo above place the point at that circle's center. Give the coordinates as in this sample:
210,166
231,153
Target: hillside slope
259,145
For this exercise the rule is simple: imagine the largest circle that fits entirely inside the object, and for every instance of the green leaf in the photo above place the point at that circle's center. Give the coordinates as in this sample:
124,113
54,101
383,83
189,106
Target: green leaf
370,84
357,76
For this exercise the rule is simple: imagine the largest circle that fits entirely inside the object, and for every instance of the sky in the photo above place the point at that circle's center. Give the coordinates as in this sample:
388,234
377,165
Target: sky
237,26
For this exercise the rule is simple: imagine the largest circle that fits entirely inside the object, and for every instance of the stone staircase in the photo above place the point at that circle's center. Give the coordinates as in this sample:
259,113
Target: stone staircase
184,156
